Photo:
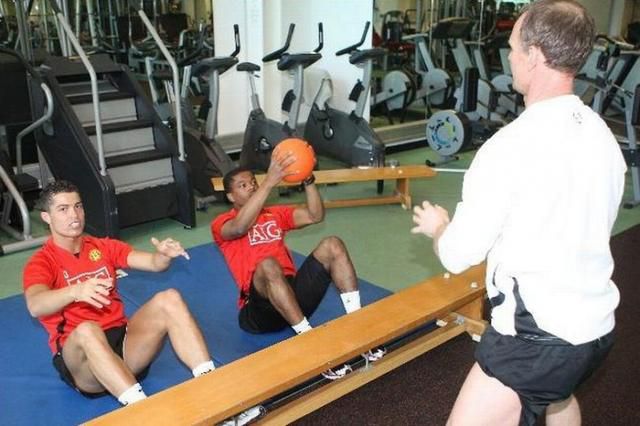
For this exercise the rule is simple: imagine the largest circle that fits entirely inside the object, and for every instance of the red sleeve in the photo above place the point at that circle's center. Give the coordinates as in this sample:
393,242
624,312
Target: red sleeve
217,224
118,252
37,271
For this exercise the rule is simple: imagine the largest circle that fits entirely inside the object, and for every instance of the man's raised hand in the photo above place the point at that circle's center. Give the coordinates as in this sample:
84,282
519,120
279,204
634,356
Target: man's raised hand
170,248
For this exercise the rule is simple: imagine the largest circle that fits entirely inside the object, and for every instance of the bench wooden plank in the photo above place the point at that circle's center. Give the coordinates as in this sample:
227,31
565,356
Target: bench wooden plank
402,175
318,398
250,380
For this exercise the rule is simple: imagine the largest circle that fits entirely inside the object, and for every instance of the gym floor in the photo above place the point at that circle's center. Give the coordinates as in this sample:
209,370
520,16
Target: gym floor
383,250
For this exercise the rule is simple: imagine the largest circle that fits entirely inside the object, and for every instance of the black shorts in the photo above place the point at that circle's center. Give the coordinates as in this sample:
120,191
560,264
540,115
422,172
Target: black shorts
309,285
539,371
115,336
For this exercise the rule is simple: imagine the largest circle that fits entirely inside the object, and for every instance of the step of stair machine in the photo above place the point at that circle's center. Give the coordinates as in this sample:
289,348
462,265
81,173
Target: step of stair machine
144,179
114,107
77,88
124,137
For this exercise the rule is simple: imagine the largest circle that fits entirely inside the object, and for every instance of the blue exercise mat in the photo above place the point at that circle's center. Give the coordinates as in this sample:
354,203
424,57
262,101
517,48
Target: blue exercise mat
31,392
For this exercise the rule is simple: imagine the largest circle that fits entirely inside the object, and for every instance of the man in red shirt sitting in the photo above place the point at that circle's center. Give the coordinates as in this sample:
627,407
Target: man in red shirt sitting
70,285
273,295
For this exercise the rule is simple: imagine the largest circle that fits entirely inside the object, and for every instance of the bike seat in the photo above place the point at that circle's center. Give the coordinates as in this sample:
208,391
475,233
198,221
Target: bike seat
361,56
248,66
208,65
290,60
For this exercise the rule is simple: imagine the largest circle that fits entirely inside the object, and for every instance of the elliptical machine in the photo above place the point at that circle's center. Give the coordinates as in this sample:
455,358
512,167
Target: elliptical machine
263,134
348,137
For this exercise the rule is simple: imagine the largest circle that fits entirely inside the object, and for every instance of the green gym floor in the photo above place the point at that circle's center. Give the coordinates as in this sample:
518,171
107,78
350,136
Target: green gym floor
382,249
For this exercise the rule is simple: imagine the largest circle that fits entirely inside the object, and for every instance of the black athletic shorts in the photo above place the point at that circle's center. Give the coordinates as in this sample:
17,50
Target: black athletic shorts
309,285
115,337
540,371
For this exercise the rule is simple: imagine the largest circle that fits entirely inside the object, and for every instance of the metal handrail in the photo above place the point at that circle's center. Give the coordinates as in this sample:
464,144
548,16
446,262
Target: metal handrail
46,116
94,89
22,206
176,80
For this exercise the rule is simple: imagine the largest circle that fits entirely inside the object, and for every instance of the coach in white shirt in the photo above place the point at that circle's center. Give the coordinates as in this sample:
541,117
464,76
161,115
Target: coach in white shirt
538,203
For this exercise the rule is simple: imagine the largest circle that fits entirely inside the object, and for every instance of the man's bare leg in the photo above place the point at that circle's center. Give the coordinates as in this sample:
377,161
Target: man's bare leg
270,283
93,364
165,314
484,400
333,255
564,413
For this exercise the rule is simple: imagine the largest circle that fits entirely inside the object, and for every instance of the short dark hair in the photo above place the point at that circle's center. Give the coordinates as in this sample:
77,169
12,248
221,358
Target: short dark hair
53,189
227,180
562,29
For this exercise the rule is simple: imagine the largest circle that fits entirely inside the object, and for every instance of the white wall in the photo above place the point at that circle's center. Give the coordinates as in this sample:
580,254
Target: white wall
601,11
263,29
343,23
234,88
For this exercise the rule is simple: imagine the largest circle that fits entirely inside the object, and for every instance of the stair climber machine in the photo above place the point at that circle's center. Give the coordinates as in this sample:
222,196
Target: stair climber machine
347,137
262,134
16,186
205,155
106,137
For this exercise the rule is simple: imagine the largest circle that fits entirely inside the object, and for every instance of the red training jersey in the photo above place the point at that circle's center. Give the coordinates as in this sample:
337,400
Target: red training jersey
264,239
57,268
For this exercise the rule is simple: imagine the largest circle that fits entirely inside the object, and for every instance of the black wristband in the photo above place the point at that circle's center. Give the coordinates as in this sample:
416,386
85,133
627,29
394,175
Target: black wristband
310,180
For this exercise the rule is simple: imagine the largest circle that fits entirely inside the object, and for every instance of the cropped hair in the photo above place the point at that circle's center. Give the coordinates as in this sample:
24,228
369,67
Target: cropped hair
53,189
562,29
227,180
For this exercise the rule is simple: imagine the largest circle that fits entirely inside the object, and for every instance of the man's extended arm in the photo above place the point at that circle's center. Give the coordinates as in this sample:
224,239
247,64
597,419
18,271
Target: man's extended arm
42,300
159,260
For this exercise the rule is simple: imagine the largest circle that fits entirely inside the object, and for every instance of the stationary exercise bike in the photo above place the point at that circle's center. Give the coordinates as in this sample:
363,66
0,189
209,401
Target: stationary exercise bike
263,134
205,156
347,137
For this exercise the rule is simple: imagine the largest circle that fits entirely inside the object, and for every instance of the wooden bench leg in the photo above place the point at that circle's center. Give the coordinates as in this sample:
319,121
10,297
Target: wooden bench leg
402,191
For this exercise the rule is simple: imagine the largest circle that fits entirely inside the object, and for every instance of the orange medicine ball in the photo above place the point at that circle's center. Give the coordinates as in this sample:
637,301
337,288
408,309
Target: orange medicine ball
305,158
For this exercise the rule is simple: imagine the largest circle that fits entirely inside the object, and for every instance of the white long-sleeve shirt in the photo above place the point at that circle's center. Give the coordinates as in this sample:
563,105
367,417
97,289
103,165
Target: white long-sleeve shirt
539,202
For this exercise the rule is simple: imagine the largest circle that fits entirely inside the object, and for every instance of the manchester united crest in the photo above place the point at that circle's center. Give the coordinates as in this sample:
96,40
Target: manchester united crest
95,255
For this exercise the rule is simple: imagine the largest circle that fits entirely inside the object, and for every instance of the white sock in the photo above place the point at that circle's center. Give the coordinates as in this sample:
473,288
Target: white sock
302,327
351,301
203,368
131,395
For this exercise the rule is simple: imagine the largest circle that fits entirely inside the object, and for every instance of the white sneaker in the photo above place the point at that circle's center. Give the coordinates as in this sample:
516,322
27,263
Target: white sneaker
245,417
337,373
375,354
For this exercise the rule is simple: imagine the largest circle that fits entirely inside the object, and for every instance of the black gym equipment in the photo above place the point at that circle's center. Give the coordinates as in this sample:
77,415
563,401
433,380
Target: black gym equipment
106,137
455,130
262,134
17,188
617,85
206,158
348,137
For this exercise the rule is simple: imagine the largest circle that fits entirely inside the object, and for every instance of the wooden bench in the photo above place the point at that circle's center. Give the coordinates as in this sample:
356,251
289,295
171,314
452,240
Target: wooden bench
455,301
401,174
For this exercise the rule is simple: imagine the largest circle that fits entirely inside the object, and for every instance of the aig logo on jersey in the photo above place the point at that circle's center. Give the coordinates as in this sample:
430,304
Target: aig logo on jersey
95,255
263,233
